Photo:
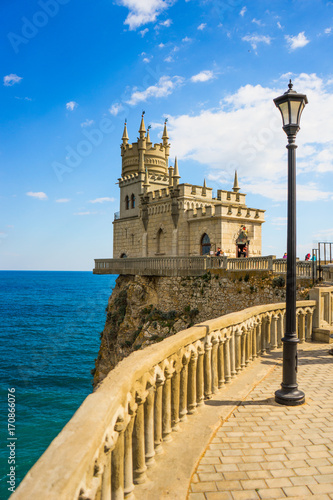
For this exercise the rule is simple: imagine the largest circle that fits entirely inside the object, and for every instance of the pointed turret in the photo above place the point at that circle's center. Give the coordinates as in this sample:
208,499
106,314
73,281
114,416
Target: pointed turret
148,135
125,135
142,145
204,188
236,188
166,144
176,175
142,129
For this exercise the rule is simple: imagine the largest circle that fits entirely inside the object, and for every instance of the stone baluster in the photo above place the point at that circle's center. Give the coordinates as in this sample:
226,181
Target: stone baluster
166,405
254,340
280,329
158,415
215,381
200,376
128,453
248,345
117,463
301,325
243,347
208,369
238,349
106,480
175,400
149,427
183,388
274,341
297,332
264,335
220,362
258,333
227,364
138,440
232,353
309,325
192,383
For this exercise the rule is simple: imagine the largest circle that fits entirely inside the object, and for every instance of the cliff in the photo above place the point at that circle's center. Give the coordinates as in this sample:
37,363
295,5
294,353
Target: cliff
144,310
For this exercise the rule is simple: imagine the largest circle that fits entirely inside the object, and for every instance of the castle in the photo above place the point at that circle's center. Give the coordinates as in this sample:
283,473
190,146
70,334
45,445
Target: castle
160,217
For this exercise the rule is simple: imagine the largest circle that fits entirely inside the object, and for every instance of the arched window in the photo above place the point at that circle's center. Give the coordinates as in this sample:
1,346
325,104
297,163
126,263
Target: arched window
123,256
133,201
126,202
160,241
205,244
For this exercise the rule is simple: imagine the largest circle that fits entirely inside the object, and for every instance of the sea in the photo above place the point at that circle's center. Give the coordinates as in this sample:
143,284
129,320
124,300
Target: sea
50,326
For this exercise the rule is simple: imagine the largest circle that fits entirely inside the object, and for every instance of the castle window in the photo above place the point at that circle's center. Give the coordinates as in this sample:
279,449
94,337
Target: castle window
205,244
133,201
127,202
160,242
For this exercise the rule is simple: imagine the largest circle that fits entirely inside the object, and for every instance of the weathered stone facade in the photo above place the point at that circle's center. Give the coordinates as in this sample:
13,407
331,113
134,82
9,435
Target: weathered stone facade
158,216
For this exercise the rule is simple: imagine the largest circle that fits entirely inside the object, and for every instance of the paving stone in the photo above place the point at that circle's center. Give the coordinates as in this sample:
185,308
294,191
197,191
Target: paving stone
271,493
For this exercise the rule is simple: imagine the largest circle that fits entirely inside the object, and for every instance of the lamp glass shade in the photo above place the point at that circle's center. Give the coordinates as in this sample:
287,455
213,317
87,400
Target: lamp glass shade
291,105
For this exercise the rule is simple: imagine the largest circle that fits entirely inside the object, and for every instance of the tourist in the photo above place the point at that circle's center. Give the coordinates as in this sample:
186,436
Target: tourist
308,256
218,252
284,255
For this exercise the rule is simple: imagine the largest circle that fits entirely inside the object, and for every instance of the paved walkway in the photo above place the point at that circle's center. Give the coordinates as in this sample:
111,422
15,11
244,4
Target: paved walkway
267,451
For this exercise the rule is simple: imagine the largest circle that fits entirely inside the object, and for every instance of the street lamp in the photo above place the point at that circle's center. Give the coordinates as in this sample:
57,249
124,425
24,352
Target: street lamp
291,105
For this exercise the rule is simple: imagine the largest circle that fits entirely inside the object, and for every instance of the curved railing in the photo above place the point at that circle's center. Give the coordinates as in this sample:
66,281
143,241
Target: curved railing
119,430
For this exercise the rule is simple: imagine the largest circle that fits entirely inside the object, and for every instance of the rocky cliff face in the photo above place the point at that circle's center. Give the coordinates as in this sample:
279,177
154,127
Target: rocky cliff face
144,310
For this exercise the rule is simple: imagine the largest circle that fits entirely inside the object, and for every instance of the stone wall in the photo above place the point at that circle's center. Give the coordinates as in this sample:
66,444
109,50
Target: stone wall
146,309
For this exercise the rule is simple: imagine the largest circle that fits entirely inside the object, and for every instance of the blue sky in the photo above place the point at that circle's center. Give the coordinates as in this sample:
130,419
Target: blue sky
72,71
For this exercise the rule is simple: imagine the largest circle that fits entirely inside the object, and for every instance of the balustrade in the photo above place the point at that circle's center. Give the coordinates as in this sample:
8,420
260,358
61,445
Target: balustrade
101,454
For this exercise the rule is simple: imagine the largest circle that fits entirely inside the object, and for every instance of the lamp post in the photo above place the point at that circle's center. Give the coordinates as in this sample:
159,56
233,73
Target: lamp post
291,105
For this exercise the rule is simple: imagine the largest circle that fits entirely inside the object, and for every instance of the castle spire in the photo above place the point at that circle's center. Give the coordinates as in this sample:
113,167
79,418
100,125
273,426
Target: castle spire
148,136
125,134
142,129
176,175
236,188
165,136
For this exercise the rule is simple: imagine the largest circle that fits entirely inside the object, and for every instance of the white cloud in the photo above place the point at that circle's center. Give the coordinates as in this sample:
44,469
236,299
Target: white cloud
87,123
257,21
167,23
85,213
161,45
116,108
71,105
164,87
279,25
11,79
144,32
245,133
242,12
63,200
203,76
102,200
187,39
146,60
255,39
202,26
328,31
39,195
297,41
143,11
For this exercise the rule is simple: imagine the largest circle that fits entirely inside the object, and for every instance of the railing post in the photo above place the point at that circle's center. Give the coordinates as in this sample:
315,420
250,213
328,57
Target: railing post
301,325
243,347
183,388
106,479
254,339
232,353
166,405
139,462
149,427
309,317
238,350
128,454
248,346
117,463
280,329
227,365
192,389
200,375
158,415
215,381
258,333
220,358
208,369
175,397
274,342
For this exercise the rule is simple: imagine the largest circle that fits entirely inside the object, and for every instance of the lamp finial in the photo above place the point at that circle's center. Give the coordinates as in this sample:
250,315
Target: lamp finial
290,85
